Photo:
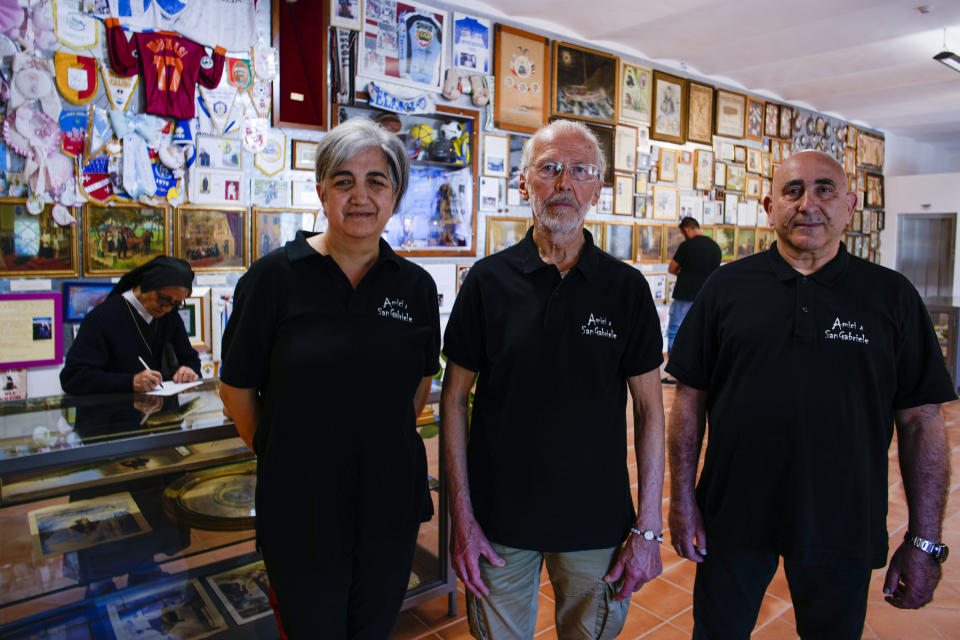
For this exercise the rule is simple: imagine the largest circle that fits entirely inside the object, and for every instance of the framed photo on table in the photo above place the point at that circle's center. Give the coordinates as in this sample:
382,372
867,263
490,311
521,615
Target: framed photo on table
118,239
699,112
211,239
404,43
618,238
669,108
35,246
520,63
731,114
635,86
304,155
584,83
754,119
649,244
273,228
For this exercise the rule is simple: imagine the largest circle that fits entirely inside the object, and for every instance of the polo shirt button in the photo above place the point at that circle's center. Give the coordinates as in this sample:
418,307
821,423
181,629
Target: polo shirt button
804,309
803,280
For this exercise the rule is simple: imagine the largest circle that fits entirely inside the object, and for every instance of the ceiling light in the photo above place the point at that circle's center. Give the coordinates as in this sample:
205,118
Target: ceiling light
948,58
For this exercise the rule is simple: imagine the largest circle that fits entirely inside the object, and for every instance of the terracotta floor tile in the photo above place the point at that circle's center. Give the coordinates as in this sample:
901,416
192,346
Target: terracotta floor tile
409,627
681,575
663,599
770,608
780,628
897,624
667,631
946,621
545,613
947,596
433,613
639,621
778,586
683,620
456,631
547,592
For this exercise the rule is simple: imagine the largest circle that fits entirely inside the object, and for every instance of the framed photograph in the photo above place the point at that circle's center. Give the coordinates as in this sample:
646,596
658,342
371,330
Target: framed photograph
699,112
270,193
665,203
345,14
740,153
83,524
462,271
625,148
726,237
736,177
691,205
606,137
181,610
618,240
712,212
771,120
786,149
404,42
496,155
623,194
765,238
303,194
32,333
728,151
596,230
669,108
686,157
766,166
640,206
667,165
635,85
35,246
520,62
746,242
720,174
211,239
503,232
516,143
219,153
874,191
685,176
850,161
751,188
786,121
649,244
605,201
641,184
273,228
304,155
584,83
869,151
731,202
852,134
80,296
658,286
731,114
754,119
118,239
195,313
213,187
775,151
491,194
243,591
766,187
754,160
672,238
471,43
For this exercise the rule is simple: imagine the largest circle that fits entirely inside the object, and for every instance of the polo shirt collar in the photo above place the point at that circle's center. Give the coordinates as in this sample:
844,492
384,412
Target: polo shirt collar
298,249
828,274
588,263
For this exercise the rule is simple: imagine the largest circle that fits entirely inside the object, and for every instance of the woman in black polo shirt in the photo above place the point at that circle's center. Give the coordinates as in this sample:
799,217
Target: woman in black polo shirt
327,361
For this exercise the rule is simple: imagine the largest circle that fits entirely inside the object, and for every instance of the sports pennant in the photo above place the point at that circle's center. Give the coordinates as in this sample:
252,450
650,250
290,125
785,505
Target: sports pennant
239,73
76,77
73,128
75,29
119,89
271,158
265,60
99,131
217,104
261,95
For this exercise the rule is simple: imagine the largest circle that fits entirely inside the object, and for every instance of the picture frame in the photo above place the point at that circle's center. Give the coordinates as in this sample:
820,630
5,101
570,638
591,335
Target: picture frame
514,158
874,191
243,591
766,165
720,174
618,240
665,202
730,114
303,194
216,187
471,43
584,83
731,202
32,333
852,135
641,185
270,193
726,237
752,186
712,212
685,176
699,112
736,177
181,608
504,232
649,244
382,43
850,161
346,14
195,313
746,241
786,121
595,227
53,533
81,296
623,194
496,155
118,239
765,238
640,206
304,154
870,151
754,161
658,286
215,152
636,83
605,135
771,120
625,148
211,239
786,149
672,238
755,120
274,227
668,117
775,152
521,96
35,246
667,165
740,154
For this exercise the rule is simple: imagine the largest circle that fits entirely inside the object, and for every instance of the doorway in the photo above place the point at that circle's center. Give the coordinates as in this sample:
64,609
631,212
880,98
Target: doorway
925,243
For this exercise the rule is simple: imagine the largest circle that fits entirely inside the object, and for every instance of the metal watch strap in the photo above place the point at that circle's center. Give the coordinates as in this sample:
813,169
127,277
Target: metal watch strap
647,535
933,549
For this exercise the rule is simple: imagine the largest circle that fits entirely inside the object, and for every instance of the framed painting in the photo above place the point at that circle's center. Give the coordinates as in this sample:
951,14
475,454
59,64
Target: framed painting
765,238
595,228
720,174
618,238
35,246
623,194
195,313
731,114
667,165
852,136
404,42
685,176
606,137
672,238
304,155
520,63
649,244
503,232
584,83
754,160
640,207
754,119
874,191
736,177
699,112
273,228
771,120
635,85
665,203
118,239
625,148
726,237
81,296
850,161
746,242
869,151
669,108
751,186
776,151
786,121
211,239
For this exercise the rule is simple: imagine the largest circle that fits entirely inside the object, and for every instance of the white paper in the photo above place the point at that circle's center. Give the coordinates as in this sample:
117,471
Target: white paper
173,388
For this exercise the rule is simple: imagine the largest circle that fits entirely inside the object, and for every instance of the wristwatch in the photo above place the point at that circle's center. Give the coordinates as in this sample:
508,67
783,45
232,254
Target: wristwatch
647,535
937,551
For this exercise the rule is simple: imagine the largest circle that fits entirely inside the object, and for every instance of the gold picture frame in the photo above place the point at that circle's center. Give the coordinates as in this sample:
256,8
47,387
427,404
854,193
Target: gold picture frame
636,83
730,114
649,244
619,239
699,112
35,246
521,97
584,83
668,117
120,238
504,232
211,239
274,227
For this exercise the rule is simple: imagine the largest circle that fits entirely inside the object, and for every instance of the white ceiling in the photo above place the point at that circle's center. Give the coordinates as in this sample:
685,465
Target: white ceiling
866,61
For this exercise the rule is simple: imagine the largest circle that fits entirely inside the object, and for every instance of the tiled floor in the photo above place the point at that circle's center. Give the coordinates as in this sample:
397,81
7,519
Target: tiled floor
662,609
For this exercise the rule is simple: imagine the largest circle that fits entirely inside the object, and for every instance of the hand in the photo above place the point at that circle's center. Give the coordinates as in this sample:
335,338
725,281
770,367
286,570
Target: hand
911,578
638,563
687,533
467,544
185,374
147,404
146,380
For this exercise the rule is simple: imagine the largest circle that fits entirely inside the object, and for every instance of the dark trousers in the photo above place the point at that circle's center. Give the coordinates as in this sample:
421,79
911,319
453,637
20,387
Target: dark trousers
353,595
830,602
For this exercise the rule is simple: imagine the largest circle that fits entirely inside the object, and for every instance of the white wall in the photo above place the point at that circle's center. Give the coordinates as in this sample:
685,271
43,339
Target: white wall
912,194
907,157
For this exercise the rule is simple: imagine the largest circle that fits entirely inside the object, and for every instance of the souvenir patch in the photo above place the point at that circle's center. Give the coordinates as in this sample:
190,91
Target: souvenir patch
76,77
95,182
73,131
238,73
119,89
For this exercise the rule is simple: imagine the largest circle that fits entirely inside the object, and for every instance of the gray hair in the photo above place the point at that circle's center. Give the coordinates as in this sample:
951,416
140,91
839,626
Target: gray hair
557,127
349,138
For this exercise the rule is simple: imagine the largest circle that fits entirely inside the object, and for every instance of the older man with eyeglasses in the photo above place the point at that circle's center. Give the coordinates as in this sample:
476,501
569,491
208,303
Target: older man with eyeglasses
555,332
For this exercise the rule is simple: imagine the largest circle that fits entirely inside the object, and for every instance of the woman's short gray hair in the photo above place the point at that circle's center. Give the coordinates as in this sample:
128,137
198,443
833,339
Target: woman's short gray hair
349,138
557,127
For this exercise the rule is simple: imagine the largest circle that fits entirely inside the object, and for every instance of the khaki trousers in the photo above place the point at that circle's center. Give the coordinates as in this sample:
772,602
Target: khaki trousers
585,608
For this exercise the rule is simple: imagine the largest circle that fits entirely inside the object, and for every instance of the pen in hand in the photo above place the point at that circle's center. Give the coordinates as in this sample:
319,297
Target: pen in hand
147,367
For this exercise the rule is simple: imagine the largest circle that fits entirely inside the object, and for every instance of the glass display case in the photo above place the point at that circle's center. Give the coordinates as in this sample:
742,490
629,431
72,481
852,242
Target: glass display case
119,511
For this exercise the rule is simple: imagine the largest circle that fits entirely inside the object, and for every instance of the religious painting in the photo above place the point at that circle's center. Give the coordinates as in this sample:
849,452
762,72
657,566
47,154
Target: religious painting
700,113
649,244
635,86
669,108
754,119
273,228
118,239
869,151
874,191
35,246
211,239
771,120
584,83
520,61
786,121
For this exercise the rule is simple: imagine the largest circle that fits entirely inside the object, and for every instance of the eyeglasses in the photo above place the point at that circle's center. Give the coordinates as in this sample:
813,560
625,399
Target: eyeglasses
579,171
167,301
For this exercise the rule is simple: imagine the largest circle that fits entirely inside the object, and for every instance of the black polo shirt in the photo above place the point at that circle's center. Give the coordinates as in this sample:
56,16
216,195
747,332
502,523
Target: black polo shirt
547,452
804,374
698,257
337,369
